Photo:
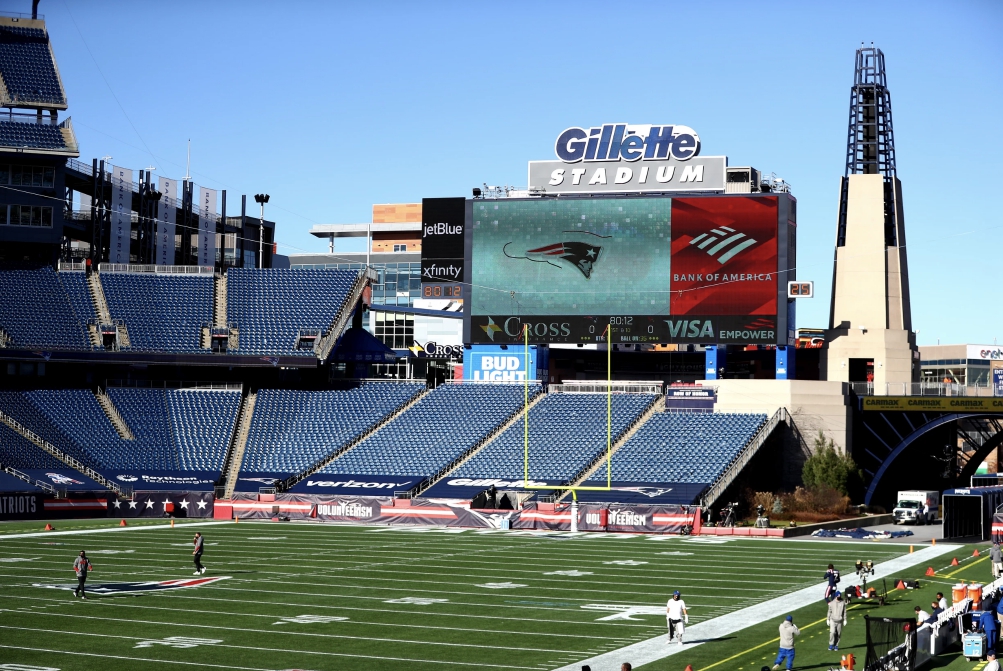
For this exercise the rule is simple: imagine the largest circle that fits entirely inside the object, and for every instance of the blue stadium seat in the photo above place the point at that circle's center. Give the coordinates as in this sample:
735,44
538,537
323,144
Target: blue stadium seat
31,135
27,66
684,447
18,452
270,306
292,430
567,432
43,308
163,313
434,432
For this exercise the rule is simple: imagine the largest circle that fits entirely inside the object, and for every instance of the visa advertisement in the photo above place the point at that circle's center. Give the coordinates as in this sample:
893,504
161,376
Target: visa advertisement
698,270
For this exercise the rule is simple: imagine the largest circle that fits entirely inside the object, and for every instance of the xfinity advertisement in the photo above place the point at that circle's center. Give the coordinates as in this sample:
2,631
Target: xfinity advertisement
652,270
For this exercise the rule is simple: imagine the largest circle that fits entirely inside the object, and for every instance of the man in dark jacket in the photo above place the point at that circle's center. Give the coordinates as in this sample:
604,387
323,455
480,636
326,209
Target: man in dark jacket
197,553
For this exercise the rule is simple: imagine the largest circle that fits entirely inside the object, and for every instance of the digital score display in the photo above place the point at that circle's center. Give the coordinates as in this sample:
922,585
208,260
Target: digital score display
451,291
653,270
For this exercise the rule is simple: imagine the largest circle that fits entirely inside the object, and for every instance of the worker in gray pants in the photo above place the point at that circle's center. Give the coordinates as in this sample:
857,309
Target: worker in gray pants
836,619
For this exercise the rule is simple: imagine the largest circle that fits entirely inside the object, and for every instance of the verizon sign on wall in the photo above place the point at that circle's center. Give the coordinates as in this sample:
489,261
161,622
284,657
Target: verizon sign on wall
622,158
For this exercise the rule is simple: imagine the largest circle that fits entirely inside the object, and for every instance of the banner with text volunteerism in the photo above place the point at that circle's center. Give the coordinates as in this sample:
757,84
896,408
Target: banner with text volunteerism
207,227
166,220
121,215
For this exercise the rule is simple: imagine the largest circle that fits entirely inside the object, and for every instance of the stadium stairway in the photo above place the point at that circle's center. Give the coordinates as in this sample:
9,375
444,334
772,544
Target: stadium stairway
104,313
238,444
781,416
292,480
595,467
499,430
124,432
63,457
340,322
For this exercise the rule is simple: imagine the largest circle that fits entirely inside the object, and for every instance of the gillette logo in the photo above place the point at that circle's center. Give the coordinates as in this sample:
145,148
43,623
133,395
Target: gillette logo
620,141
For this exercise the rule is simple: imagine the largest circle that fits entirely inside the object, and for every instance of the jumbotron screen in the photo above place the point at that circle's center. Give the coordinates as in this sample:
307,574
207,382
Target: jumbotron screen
656,270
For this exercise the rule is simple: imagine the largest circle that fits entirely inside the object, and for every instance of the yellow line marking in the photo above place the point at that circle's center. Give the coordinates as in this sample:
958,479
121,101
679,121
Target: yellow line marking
954,573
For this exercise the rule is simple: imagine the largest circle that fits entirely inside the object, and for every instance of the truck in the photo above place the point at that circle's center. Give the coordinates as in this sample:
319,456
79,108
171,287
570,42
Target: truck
911,505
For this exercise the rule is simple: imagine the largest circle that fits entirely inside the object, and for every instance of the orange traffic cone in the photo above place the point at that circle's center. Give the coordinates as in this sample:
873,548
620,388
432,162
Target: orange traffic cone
930,571
122,524
976,553
954,562
689,667
48,527
900,585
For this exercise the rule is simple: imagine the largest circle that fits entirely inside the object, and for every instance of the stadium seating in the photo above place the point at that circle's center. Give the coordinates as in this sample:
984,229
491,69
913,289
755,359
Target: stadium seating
42,308
27,66
75,285
31,135
434,432
684,447
292,430
19,452
174,429
271,306
161,312
566,433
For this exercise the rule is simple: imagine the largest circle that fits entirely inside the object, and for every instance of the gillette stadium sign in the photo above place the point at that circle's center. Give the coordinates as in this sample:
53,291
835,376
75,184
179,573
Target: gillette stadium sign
624,158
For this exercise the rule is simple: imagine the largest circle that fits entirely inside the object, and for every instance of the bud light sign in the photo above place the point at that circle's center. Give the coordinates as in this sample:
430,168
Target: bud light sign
493,363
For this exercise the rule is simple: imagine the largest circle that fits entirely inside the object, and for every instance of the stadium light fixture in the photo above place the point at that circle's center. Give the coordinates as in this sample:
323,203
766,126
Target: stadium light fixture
261,199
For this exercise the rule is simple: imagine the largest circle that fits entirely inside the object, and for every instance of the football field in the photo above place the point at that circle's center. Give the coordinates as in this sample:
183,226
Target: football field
310,596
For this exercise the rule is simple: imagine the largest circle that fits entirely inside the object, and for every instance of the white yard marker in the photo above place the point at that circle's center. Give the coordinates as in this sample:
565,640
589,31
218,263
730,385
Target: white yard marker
501,585
417,600
311,619
572,573
179,642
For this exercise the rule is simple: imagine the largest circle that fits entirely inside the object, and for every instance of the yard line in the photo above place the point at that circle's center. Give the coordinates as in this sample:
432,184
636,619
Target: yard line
298,633
655,648
80,532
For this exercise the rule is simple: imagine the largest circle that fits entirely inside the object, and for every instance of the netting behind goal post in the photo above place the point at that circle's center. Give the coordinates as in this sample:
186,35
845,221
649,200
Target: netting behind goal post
891,644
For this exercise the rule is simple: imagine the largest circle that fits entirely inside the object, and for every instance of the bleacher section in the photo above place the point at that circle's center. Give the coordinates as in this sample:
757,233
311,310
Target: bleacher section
20,453
566,433
28,68
674,447
434,432
175,430
292,430
271,306
162,312
31,135
42,308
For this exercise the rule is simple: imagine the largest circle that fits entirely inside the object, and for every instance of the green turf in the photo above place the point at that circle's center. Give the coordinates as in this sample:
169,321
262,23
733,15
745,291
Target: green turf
362,574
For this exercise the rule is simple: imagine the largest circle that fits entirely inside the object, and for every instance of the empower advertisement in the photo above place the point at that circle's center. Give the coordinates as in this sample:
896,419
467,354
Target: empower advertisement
166,220
207,227
121,215
656,270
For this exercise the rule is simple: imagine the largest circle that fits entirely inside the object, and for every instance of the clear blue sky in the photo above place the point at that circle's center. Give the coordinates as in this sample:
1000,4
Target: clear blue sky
331,107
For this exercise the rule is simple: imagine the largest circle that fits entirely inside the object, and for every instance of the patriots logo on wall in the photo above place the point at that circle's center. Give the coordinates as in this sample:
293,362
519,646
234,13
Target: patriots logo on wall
581,255
138,587
650,492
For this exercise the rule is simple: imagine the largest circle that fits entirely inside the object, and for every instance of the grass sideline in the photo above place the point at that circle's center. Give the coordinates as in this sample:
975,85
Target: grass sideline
333,597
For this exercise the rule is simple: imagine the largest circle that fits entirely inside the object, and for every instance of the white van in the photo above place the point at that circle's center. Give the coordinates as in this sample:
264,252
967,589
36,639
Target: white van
911,505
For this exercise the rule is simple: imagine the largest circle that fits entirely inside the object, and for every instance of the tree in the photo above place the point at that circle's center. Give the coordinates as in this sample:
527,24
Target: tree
827,467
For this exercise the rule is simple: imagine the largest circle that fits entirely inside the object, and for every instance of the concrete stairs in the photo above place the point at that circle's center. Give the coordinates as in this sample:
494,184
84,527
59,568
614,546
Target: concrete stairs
238,444
123,430
504,426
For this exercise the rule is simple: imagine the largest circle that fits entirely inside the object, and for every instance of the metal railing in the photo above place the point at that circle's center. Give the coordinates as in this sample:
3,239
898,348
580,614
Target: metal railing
154,269
920,389
174,384
125,492
70,265
601,386
744,457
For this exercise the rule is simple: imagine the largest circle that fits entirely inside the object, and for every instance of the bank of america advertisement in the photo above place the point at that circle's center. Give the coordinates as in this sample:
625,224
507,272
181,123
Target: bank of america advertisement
655,270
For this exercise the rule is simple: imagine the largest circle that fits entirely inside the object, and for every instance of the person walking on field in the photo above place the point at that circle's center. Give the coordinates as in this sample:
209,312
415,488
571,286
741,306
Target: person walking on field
676,617
197,554
996,559
788,631
836,619
81,565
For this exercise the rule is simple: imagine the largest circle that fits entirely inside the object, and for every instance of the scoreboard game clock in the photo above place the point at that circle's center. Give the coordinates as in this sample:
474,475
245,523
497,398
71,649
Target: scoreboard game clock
442,290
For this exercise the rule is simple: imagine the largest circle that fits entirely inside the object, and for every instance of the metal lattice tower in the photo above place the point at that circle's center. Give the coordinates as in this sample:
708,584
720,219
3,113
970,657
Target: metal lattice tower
870,144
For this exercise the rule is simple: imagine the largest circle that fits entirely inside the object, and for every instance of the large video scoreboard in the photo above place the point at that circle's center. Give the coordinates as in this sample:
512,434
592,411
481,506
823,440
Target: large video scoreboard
694,269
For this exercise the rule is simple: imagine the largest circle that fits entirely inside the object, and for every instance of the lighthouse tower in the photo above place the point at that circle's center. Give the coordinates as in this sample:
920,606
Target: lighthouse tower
870,337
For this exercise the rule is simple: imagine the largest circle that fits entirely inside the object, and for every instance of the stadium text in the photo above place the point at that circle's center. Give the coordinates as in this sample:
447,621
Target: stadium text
613,142
627,518
345,510
500,369
689,329
10,505
488,482
353,483
443,229
435,272
623,175
723,277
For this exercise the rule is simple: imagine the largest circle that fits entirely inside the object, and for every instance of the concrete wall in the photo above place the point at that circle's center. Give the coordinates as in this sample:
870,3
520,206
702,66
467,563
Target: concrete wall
814,405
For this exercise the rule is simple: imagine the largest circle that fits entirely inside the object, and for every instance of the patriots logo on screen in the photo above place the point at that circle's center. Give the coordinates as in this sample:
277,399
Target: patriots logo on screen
581,255
60,479
134,587
730,243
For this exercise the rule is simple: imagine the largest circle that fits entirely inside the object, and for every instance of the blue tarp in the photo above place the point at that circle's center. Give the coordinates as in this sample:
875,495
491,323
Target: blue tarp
859,533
